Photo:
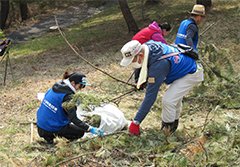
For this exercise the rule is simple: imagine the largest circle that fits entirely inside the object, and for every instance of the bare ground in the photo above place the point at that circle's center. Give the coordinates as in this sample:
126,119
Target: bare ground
19,103
36,74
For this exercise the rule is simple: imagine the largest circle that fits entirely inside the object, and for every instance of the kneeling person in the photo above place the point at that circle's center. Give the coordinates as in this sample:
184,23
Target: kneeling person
53,120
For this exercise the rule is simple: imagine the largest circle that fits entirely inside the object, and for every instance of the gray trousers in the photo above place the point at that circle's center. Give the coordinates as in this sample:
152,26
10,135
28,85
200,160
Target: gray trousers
172,98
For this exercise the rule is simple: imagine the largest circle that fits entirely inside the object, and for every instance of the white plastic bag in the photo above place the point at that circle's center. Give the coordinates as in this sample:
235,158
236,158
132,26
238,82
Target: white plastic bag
112,119
40,96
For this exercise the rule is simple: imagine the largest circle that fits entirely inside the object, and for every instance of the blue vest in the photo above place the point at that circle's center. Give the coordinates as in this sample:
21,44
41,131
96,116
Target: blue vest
51,116
181,64
182,33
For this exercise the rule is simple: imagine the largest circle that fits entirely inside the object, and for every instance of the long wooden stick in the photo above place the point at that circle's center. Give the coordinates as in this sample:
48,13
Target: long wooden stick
8,159
72,158
85,59
31,139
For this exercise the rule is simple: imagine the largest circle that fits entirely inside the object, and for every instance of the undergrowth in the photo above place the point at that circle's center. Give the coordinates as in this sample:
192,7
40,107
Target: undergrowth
215,142
208,134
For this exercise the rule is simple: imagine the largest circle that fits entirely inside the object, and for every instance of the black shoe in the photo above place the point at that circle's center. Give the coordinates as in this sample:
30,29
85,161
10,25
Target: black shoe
175,125
172,126
168,127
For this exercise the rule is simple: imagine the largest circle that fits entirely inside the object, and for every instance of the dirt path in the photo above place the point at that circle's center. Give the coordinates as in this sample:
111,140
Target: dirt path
65,19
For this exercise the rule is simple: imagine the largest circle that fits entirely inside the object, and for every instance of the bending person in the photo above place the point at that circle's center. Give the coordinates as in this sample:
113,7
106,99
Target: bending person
153,32
179,70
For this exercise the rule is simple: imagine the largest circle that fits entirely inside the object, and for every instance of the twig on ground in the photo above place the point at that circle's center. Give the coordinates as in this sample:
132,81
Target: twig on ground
206,153
26,123
188,159
35,158
205,122
119,97
208,67
8,159
99,163
110,134
129,155
207,118
72,158
112,164
201,146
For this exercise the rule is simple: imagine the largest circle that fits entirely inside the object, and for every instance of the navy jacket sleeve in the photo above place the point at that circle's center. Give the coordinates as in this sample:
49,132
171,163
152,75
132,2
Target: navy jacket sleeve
156,73
73,115
191,34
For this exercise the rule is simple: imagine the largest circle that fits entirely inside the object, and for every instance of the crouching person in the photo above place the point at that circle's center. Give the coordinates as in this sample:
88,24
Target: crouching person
179,70
54,120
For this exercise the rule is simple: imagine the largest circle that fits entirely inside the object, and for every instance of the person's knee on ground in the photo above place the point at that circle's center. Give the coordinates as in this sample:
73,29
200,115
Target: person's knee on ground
48,136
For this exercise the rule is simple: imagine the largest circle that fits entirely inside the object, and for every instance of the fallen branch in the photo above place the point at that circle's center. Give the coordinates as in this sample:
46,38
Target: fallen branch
188,159
119,97
99,163
8,159
205,123
72,158
83,141
129,155
26,123
206,153
39,156
85,59
110,134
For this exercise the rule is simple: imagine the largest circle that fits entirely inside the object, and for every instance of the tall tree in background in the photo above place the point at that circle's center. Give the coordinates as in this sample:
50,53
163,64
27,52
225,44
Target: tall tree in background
132,25
206,3
23,9
4,13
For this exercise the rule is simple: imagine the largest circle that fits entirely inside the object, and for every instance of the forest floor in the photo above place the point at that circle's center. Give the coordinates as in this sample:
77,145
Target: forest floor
208,133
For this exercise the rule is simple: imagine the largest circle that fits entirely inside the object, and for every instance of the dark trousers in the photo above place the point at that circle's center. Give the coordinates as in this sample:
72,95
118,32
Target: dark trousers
70,131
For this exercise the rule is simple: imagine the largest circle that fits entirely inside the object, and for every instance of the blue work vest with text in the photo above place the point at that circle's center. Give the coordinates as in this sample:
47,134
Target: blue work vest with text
182,34
50,115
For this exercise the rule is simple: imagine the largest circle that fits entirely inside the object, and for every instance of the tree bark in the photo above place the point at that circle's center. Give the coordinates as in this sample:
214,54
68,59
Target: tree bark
24,10
132,25
4,13
205,3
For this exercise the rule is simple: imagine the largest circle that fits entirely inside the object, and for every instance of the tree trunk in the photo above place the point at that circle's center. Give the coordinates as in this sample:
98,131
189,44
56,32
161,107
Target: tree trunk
132,25
206,3
4,13
24,10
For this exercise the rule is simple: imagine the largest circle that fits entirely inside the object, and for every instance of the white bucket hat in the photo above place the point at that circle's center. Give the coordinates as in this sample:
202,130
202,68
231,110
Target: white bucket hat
129,51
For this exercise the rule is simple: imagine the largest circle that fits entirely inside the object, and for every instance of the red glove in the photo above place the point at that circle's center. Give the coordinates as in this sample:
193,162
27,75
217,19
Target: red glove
134,129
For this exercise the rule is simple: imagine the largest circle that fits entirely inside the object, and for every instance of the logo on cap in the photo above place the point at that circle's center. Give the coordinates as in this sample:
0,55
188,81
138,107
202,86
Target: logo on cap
84,80
128,54
136,51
